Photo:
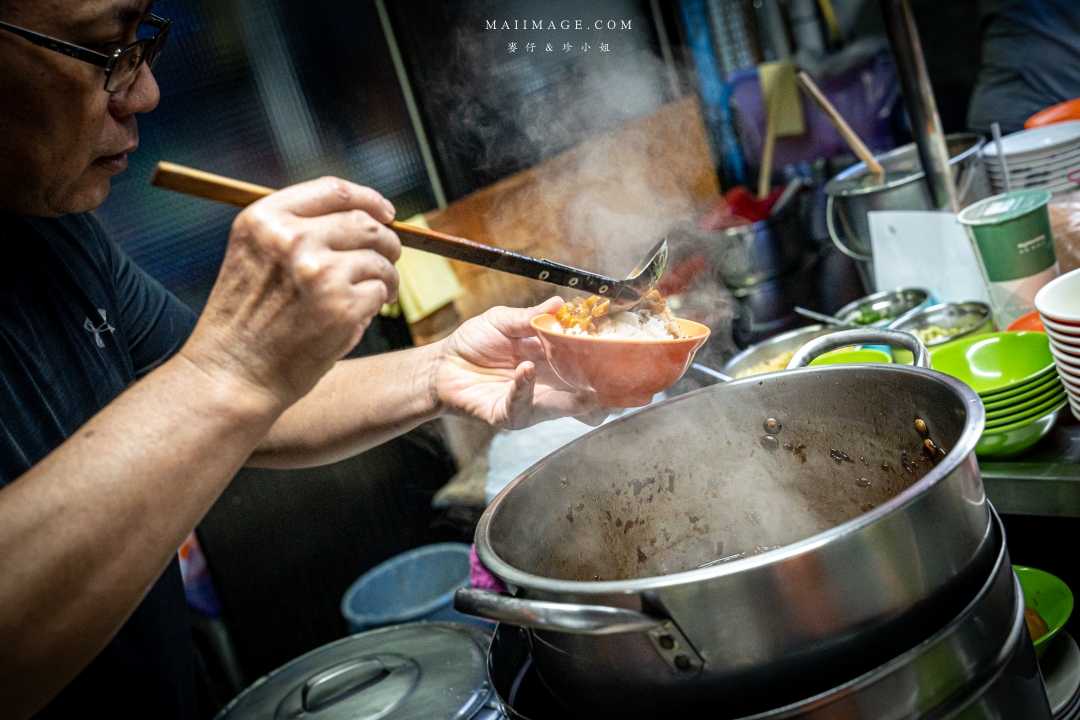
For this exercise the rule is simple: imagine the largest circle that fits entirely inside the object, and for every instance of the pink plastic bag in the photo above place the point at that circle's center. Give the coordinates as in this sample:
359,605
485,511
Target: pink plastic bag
480,577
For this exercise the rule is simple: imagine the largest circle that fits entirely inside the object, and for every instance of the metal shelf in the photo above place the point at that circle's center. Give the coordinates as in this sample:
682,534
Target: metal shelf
1045,481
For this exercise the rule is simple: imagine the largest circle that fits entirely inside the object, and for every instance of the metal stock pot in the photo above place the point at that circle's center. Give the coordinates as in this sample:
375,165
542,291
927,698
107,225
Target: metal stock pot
857,191
982,664
754,542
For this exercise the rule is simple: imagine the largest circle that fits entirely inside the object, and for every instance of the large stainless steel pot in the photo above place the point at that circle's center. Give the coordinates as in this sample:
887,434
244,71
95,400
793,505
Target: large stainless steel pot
981,665
603,543
769,307
856,191
751,254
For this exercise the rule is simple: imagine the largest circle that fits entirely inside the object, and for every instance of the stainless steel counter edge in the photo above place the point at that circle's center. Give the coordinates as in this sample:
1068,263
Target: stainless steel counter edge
1033,488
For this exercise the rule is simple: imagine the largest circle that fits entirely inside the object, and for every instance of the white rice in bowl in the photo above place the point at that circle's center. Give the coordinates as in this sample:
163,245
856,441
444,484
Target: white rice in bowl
634,324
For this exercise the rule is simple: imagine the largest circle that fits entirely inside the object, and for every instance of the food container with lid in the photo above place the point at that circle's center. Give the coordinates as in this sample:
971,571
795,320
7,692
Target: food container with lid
419,671
1015,248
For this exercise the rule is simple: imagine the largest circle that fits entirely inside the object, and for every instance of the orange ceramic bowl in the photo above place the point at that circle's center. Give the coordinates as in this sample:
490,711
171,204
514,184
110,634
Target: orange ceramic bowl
1062,112
1031,321
623,373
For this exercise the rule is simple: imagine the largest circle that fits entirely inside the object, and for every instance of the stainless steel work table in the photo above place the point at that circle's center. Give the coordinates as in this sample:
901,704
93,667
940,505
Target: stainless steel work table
1045,481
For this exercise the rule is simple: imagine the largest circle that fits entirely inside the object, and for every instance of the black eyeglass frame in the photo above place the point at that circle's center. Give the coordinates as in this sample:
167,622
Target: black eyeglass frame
151,47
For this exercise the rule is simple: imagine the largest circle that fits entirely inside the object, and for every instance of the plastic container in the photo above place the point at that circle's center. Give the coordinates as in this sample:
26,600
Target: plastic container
413,586
1015,246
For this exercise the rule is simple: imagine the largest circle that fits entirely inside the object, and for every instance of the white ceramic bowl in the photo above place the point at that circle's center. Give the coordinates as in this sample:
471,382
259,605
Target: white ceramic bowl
1067,346
1066,173
1020,168
1065,338
1037,141
1071,362
1060,329
1059,300
1068,375
1067,357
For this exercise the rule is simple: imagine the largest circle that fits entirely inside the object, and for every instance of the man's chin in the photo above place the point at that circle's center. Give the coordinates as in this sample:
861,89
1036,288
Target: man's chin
90,192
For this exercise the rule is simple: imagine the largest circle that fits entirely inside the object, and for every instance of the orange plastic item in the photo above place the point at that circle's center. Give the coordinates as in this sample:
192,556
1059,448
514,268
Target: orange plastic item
623,373
1062,112
1031,321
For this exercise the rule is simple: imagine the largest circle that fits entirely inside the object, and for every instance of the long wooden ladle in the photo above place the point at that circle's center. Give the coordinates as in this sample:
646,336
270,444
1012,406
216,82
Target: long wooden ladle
622,293
854,141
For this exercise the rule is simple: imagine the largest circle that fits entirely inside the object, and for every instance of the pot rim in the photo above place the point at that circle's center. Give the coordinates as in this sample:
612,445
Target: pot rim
977,143
974,422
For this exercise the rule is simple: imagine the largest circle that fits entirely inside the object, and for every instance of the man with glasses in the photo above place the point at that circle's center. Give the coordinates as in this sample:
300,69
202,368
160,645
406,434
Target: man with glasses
123,416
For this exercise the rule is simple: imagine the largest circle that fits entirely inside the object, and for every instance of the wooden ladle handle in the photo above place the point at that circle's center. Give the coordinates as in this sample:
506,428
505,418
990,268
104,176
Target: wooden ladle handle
208,186
854,141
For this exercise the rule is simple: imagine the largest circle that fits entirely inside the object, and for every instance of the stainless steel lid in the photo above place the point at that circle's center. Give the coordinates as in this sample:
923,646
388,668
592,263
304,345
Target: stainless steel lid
419,671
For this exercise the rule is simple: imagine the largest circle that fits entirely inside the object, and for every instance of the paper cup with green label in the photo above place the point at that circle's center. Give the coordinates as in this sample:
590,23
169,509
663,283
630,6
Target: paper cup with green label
1012,239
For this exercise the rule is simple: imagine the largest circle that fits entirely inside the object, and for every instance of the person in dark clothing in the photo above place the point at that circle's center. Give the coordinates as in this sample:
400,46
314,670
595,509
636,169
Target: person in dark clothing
123,416
1030,61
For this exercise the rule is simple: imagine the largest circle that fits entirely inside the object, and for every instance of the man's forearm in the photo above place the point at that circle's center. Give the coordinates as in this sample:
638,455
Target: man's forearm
86,532
359,404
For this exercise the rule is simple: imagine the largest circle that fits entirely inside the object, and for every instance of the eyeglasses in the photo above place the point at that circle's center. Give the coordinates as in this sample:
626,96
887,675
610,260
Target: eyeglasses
122,66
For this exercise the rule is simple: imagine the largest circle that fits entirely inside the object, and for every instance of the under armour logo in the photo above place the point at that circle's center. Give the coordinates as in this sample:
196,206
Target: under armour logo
98,329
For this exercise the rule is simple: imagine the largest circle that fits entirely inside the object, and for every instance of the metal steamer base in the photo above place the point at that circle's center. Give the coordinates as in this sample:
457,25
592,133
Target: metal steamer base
980,666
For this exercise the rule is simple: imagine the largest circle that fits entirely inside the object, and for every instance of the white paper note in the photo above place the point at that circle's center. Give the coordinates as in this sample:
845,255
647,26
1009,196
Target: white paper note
929,249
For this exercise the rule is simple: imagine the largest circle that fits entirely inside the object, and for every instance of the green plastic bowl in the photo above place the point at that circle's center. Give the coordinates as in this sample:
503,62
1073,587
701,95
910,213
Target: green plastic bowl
1024,393
853,357
1045,405
1011,440
1050,597
995,362
1042,380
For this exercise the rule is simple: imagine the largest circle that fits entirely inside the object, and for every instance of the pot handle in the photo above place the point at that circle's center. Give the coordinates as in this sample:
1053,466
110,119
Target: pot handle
556,617
861,336
836,238
666,637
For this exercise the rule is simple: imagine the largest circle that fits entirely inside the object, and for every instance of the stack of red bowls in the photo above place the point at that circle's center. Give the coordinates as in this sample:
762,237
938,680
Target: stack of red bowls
1058,304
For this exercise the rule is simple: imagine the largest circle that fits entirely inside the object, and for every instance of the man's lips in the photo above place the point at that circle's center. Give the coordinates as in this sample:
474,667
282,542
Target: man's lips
115,163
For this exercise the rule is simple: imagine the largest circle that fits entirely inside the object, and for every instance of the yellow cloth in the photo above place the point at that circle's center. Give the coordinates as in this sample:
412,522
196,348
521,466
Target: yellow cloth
780,92
427,281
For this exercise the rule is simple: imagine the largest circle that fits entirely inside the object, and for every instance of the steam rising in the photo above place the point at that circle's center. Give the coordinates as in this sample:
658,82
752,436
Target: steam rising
607,202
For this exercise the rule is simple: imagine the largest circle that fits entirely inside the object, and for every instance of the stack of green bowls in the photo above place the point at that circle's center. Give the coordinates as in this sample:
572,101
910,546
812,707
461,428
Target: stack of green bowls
1014,375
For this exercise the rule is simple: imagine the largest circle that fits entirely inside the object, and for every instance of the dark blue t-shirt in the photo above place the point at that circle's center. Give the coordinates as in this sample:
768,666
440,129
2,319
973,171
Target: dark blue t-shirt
1030,61
79,323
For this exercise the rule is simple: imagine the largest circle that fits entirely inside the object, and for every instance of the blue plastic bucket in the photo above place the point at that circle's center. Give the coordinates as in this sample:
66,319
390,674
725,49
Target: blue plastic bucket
410,587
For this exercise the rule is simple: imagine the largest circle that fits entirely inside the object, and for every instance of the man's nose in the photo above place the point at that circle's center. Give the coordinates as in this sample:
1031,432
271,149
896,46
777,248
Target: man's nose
141,97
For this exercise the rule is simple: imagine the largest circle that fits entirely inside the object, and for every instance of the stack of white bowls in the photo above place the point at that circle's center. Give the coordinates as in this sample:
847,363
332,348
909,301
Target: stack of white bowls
1044,158
1058,304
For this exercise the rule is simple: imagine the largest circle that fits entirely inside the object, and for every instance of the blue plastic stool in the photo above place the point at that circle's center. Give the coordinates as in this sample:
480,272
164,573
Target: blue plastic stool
410,587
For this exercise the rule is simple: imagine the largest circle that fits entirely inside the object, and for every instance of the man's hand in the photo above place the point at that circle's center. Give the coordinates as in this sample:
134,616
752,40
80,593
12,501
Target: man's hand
494,368
305,272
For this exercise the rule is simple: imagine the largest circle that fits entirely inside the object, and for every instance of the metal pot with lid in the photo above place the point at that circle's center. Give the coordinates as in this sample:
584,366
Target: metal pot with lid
756,539
857,191
418,671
